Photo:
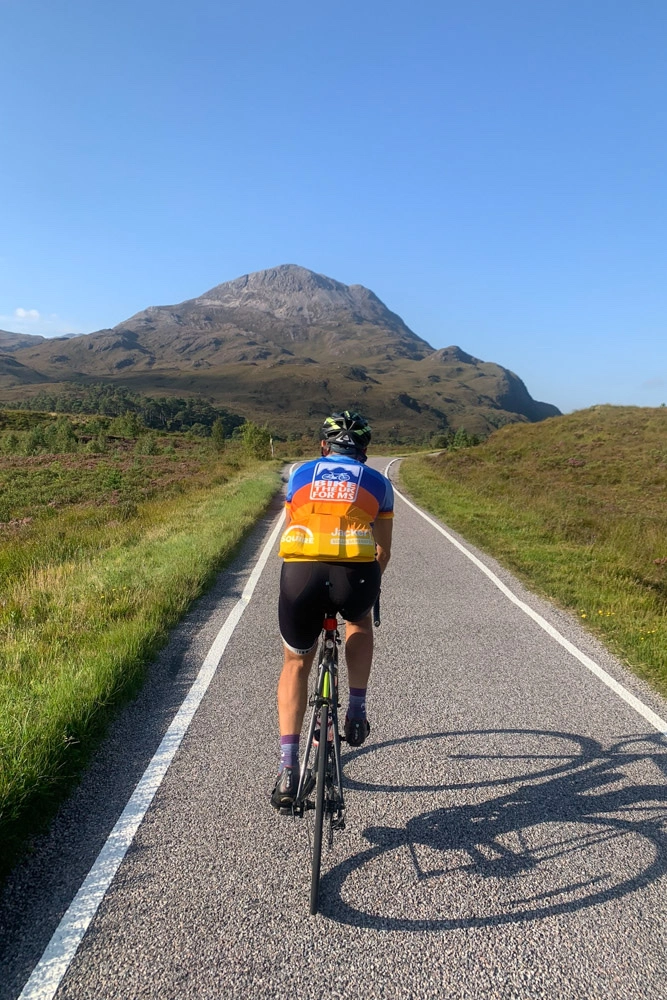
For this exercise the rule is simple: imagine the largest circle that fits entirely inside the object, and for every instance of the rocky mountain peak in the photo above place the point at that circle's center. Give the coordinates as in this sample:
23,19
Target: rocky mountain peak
277,283
294,293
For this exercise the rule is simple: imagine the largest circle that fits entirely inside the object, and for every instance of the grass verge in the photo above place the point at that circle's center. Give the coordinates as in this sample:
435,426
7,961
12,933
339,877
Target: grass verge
576,506
82,615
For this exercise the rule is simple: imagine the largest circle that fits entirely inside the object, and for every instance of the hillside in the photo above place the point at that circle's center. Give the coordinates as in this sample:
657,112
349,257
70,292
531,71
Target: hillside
14,341
286,345
577,506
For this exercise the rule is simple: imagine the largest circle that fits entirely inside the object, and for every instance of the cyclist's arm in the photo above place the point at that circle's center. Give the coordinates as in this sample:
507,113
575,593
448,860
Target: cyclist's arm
382,531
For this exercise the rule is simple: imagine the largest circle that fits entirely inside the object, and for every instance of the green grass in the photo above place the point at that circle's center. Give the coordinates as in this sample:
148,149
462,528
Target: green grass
577,507
91,583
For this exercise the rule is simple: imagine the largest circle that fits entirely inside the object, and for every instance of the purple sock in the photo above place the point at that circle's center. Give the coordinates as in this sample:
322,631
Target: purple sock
289,751
357,706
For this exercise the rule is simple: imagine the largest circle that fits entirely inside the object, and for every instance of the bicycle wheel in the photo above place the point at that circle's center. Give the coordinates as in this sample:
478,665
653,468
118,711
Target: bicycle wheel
320,790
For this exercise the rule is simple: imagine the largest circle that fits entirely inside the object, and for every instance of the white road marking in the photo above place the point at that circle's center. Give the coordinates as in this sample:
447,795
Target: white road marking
622,692
60,951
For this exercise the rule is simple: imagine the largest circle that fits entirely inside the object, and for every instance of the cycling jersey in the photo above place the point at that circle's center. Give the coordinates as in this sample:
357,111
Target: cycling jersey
332,504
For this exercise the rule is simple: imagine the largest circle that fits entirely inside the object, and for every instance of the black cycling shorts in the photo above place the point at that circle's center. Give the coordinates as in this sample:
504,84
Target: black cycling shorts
309,589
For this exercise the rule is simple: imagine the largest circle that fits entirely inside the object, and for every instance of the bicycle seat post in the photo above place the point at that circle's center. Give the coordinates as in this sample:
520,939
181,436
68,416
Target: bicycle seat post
330,627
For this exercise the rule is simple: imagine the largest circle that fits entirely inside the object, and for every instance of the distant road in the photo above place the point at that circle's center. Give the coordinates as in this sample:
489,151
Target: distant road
507,821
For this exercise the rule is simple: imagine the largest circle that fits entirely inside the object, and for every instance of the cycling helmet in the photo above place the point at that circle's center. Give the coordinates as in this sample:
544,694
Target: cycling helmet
346,432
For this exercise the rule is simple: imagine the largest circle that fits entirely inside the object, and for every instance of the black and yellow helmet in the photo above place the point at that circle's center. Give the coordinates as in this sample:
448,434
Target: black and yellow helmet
346,431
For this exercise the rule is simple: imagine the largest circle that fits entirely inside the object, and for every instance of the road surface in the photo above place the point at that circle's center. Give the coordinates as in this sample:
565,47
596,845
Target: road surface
506,829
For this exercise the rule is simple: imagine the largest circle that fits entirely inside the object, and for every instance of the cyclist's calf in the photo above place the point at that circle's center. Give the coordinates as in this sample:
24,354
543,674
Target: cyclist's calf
359,651
293,690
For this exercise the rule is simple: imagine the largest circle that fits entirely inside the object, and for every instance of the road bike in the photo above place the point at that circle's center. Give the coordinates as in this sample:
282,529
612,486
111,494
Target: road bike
321,778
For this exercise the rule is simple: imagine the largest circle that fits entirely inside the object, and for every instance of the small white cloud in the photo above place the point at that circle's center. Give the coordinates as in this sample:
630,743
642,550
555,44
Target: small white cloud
32,321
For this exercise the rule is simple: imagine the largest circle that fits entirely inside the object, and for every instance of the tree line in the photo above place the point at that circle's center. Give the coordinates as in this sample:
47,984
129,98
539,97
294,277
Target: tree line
166,413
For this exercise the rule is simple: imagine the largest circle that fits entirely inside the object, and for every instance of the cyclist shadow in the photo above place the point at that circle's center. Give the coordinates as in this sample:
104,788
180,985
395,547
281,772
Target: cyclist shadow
559,836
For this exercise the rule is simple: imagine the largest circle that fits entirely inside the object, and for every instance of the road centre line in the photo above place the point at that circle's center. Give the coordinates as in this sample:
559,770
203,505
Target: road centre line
59,953
622,692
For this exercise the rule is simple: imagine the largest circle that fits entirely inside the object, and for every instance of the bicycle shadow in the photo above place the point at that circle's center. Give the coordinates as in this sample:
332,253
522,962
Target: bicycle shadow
567,835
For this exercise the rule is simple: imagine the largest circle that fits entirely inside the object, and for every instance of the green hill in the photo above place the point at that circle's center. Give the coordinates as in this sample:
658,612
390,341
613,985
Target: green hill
577,507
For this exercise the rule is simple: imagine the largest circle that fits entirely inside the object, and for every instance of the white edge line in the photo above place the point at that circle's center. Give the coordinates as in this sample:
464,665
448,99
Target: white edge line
60,951
622,692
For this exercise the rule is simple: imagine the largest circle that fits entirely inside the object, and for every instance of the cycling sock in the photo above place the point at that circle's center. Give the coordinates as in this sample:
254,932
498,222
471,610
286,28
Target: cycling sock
289,751
357,706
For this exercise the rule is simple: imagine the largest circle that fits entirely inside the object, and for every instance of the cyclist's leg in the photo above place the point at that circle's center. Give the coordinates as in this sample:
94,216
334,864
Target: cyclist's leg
359,651
303,595
362,581
293,689
302,591
355,587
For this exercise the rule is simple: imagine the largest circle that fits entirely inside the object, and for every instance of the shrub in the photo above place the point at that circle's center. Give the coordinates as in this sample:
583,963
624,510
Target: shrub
127,425
60,437
147,445
199,430
256,440
439,441
464,440
218,434
11,443
35,441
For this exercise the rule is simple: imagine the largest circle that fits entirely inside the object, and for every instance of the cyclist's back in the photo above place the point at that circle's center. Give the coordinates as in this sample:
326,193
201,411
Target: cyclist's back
332,503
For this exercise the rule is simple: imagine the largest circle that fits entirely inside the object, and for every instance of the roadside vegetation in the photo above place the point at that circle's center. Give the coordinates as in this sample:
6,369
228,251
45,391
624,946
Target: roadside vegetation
577,507
108,532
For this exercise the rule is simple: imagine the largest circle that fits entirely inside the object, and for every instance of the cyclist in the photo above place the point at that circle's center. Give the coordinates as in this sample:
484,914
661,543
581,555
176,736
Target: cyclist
336,545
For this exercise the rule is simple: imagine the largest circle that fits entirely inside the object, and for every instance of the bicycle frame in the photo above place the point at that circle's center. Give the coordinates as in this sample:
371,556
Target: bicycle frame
325,777
325,694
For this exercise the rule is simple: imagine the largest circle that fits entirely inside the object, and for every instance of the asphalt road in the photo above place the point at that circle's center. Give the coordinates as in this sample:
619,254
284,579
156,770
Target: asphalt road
507,820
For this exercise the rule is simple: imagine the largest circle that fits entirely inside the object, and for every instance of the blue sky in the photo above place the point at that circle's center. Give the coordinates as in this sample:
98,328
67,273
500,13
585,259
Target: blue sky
494,170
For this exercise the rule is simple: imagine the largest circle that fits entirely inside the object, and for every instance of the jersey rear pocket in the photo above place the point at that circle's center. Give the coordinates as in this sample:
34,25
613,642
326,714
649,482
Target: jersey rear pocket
328,536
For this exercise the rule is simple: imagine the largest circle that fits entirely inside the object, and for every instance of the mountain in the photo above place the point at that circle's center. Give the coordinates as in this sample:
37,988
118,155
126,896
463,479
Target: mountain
287,346
13,372
14,341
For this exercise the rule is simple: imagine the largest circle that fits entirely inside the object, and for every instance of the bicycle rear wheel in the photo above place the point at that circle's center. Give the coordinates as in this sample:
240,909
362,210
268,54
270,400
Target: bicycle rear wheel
320,789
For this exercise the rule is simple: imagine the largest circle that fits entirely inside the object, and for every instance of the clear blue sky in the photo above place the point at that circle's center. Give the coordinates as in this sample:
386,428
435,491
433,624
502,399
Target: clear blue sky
494,170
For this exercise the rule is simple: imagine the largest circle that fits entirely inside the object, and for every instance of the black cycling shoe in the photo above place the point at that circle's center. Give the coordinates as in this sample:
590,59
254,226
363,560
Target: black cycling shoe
285,789
356,731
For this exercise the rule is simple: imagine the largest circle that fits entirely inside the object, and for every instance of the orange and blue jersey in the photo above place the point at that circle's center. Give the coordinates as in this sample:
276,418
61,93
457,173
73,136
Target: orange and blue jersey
332,504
